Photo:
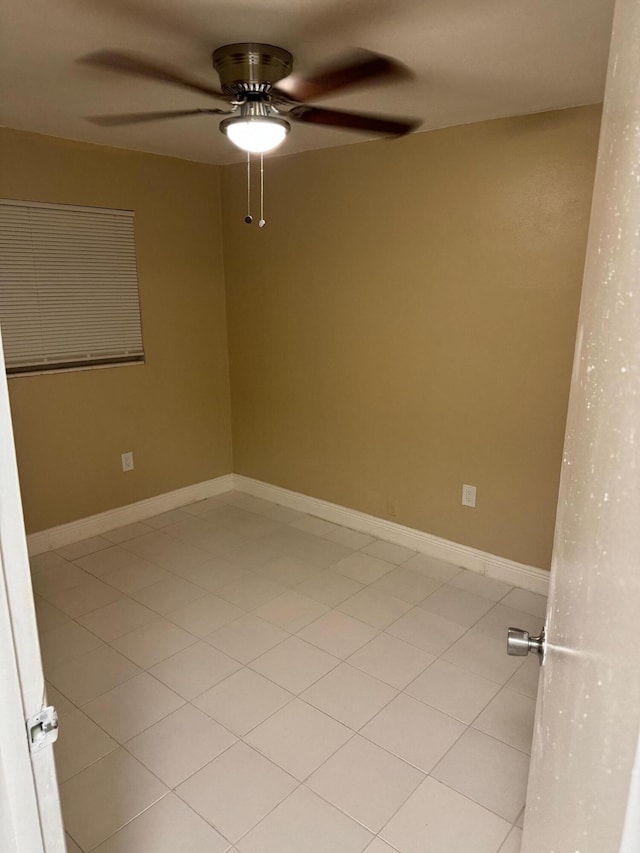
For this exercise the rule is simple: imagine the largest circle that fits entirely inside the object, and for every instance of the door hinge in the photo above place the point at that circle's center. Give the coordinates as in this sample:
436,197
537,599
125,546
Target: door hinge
42,729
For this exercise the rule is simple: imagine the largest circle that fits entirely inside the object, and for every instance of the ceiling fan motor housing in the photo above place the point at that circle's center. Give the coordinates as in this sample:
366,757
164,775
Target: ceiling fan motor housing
250,67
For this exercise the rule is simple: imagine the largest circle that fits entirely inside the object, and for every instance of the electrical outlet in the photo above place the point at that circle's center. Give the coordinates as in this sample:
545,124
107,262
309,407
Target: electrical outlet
468,495
127,461
392,507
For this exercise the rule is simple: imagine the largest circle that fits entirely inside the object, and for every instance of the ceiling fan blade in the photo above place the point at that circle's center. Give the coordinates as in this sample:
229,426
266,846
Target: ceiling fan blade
138,118
387,125
143,66
360,67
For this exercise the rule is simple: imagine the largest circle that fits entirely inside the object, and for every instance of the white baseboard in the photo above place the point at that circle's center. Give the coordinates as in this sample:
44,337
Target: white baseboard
516,574
94,525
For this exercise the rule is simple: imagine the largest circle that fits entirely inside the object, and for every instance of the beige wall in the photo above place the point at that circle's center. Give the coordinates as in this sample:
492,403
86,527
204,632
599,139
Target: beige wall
405,323
173,412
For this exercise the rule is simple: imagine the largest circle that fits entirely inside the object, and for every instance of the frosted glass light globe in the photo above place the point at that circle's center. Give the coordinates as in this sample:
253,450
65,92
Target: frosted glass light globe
257,135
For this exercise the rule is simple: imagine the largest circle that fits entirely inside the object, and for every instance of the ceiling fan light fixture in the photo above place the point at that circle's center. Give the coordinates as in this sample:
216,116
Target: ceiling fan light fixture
257,134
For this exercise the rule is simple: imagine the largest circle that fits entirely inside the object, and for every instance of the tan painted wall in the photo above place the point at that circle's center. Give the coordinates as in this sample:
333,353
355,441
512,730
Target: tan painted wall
406,322
173,412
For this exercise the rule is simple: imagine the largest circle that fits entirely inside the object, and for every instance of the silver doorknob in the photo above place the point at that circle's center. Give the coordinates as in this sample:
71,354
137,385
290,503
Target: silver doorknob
521,642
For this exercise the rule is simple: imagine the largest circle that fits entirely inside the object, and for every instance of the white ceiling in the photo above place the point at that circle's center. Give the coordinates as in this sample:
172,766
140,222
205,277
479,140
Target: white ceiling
473,60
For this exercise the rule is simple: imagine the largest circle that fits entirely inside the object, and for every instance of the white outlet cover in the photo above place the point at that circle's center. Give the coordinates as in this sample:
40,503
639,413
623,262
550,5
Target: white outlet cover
127,461
468,495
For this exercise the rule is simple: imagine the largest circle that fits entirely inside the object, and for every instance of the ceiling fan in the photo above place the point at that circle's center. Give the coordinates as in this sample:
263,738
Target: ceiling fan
261,94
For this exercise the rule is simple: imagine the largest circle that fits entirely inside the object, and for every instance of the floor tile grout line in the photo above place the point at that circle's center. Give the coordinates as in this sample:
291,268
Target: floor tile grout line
471,725
456,666
170,789
239,737
352,817
250,746
459,793
302,699
261,513
145,809
355,732
442,758
340,659
464,634
124,681
486,808
380,631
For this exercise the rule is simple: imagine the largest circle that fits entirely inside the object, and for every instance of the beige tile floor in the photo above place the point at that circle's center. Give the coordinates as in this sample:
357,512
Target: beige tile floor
237,676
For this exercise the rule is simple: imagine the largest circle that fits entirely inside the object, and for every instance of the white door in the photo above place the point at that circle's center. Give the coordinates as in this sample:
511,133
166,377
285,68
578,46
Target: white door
583,790
30,819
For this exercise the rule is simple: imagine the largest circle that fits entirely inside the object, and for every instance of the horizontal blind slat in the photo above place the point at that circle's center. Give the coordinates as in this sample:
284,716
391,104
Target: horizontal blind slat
68,285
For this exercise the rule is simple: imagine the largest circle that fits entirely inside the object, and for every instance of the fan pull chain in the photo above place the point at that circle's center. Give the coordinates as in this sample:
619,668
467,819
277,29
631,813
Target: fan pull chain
248,218
262,222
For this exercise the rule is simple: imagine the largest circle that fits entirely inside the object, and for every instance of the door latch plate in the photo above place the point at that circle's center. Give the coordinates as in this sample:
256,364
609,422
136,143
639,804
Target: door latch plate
42,729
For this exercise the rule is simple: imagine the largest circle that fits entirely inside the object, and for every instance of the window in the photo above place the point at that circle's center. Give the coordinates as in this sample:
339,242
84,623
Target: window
68,287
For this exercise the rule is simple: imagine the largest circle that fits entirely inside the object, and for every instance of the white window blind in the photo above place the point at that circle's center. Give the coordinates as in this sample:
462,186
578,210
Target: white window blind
68,287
